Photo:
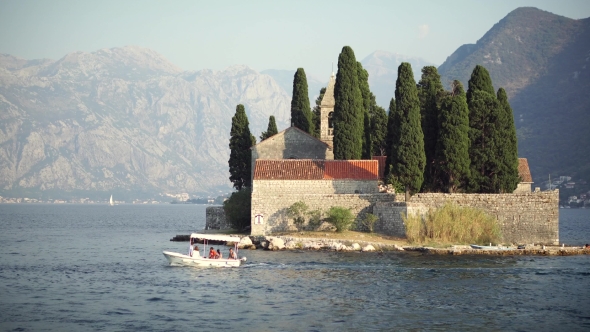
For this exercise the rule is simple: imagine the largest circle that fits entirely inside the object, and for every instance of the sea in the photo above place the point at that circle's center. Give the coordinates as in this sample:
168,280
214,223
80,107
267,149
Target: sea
101,268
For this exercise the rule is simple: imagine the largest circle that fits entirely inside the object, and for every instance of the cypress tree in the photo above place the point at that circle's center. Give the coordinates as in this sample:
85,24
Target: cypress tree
363,78
508,145
429,91
484,137
453,144
483,140
300,109
392,126
348,109
271,130
378,128
408,159
317,114
480,81
240,142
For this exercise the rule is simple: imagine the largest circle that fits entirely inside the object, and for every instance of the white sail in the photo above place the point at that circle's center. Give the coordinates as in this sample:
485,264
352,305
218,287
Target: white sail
111,201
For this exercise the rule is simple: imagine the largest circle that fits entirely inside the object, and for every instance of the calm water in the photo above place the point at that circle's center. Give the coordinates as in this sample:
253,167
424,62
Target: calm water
84,267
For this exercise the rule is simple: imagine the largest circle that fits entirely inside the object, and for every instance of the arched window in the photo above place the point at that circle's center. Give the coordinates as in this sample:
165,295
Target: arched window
330,120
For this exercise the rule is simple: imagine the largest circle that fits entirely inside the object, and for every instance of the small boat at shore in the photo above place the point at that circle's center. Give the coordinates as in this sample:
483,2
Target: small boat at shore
194,258
475,246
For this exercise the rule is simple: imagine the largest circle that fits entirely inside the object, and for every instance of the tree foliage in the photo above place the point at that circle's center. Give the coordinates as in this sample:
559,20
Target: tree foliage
271,130
378,128
240,142
430,90
317,114
508,153
483,140
408,159
363,78
348,114
237,209
452,150
300,109
392,131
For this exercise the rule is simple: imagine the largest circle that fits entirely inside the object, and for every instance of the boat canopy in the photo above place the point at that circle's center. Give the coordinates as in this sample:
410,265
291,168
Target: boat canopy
216,237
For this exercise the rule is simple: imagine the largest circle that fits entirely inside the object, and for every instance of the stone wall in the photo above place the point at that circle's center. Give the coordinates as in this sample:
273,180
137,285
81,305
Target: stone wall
324,187
523,217
272,198
215,218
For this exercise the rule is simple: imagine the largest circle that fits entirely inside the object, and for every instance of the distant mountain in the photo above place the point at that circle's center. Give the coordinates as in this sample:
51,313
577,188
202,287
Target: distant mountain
382,67
285,79
124,120
543,62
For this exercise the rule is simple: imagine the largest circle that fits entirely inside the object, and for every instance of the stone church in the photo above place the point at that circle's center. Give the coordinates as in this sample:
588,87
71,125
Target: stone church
294,166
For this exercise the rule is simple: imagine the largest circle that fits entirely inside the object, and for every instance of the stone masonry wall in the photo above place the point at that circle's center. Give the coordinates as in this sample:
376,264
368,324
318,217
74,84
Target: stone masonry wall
215,218
523,217
278,187
271,199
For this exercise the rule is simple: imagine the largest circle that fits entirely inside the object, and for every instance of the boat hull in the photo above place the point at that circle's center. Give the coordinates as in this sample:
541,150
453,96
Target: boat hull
176,259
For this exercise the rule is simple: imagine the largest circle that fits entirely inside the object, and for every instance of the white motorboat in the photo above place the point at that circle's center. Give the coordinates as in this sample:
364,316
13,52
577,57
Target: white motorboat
194,258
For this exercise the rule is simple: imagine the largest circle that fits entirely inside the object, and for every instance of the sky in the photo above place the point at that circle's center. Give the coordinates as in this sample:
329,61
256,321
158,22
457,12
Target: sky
196,35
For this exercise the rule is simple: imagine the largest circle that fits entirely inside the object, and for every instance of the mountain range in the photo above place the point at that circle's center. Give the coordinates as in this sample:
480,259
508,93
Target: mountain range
123,120
543,62
127,121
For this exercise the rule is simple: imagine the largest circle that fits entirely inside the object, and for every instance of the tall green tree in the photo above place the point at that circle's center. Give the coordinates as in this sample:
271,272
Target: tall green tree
271,130
484,137
452,150
300,109
240,142
317,114
480,80
430,90
378,128
348,109
483,143
393,120
408,159
508,145
363,78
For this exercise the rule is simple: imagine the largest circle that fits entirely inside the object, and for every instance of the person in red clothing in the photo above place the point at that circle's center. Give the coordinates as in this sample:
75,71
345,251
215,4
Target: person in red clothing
212,253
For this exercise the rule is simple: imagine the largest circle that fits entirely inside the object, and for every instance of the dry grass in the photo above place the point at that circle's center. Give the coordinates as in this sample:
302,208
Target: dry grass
452,224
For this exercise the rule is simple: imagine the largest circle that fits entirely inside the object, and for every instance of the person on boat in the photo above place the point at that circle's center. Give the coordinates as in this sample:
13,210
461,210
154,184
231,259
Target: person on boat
195,251
232,254
212,253
219,255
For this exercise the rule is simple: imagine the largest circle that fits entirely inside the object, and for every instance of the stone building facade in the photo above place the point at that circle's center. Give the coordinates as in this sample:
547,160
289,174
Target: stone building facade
326,113
321,184
292,143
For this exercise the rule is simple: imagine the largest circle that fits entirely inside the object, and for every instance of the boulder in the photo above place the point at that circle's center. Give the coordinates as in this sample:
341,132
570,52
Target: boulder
356,246
263,244
291,245
337,246
311,245
245,242
368,247
276,243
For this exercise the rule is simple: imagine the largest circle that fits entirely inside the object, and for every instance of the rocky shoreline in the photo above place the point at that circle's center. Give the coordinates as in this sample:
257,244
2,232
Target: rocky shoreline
285,242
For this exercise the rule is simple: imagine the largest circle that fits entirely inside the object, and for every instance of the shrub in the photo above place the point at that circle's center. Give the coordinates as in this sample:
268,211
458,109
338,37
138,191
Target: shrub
369,222
297,213
315,219
340,217
394,182
237,209
453,224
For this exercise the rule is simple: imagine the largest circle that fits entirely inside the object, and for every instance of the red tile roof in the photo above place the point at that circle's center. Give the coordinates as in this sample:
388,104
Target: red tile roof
308,169
523,170
381,160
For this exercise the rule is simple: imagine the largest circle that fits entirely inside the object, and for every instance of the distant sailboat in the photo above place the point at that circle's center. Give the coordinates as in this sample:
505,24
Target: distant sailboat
111,203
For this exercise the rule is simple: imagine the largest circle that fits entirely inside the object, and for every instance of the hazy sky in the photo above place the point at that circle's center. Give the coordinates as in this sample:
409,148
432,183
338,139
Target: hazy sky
261,34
